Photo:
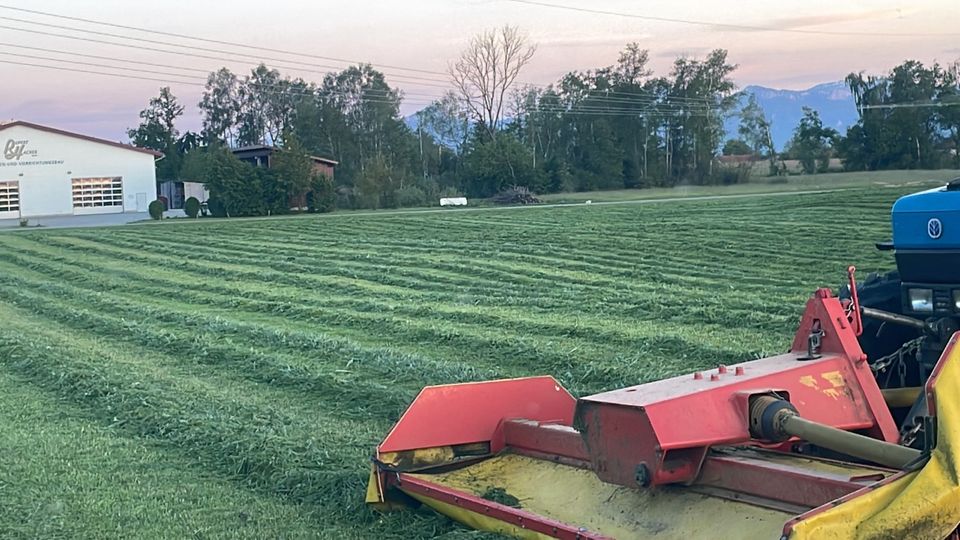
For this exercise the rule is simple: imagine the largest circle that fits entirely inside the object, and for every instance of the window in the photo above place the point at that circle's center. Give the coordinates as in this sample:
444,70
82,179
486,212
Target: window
97,192
9,196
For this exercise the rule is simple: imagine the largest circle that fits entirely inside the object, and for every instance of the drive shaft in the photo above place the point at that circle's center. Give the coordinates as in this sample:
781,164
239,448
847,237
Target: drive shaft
776,420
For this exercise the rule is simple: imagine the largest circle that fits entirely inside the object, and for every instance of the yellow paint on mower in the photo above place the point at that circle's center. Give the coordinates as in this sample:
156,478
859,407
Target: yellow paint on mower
577,496
919,505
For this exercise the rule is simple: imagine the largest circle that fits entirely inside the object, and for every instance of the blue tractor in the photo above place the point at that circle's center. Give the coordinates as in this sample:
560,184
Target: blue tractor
910,314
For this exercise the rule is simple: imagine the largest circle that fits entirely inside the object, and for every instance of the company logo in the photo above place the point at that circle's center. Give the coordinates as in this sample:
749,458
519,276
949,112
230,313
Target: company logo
934,228
17,149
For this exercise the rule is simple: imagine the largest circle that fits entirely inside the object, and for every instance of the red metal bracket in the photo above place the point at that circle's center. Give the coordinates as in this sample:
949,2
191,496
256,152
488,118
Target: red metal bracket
457,414
855,306
660,432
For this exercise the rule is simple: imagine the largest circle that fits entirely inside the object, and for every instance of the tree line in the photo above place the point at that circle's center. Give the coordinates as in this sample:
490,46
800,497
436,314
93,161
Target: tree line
619,126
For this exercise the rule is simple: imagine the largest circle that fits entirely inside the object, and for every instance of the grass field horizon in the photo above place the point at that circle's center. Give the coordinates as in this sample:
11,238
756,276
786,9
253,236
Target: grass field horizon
763,185
914,179
233,380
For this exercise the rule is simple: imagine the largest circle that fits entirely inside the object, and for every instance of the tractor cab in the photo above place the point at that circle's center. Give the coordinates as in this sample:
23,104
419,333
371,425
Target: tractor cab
909,315
926,243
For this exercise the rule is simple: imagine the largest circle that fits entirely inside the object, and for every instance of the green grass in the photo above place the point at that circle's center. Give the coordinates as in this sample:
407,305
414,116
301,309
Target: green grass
231,378
816,182
65,475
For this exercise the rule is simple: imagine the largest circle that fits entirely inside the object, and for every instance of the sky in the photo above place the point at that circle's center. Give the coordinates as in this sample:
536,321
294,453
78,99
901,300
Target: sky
422,37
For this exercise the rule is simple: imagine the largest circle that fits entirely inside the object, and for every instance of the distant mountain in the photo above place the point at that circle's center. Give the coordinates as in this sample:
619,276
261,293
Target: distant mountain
784,108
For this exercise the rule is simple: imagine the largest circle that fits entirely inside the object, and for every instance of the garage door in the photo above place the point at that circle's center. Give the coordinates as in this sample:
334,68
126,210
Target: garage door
97,195
9,200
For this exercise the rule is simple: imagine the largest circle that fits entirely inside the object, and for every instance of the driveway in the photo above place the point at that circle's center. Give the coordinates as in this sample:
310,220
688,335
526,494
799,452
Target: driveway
63,222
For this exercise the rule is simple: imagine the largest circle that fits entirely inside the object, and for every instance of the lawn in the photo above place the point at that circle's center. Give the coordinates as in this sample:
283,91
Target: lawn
231,378
816,182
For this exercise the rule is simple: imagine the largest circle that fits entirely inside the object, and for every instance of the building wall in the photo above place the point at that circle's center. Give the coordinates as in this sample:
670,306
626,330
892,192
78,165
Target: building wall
50,161
323,168
195,189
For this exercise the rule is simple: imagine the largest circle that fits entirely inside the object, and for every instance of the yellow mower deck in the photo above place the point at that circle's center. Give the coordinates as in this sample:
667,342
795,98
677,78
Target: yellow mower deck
513,488
577,496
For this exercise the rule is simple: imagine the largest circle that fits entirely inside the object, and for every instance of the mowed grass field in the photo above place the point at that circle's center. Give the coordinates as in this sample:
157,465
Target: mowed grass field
230,379
918,179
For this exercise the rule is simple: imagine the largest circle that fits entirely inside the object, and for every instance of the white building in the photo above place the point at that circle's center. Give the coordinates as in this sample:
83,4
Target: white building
49,172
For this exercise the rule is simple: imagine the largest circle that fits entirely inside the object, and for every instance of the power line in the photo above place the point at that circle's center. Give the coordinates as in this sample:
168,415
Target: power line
608,96
642,99
573,112
208,40
915,105
77,62
169,44
179,53
728,26
413,79
97,57
269,89
120,75
137,62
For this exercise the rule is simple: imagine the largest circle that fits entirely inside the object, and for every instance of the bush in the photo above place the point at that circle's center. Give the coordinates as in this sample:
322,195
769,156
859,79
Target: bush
494,166
516,195
238,187
430,189
558,176
192,207
322,196
216,207
156,209
410,196
728,175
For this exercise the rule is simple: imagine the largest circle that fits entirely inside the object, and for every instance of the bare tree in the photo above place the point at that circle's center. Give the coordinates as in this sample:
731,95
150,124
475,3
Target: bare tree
487,69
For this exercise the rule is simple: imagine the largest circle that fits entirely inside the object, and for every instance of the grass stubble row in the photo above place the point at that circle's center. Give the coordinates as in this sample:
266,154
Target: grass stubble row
273,355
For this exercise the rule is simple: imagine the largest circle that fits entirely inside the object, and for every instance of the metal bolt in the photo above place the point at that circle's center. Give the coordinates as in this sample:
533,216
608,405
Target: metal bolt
721,369
697,376
714,377
739,370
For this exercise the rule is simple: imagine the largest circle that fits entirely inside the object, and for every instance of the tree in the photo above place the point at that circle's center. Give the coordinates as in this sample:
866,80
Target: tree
377,183
220,106
493,165
698,96
322,195
949,114
234,186
446,121
291,173
631,68
891,135
754,130
736,147
812,143
363,122
486,71
157,131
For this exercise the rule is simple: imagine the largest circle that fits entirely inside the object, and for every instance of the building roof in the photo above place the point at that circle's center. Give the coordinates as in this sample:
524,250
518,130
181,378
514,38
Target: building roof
267,149
14,123
737,158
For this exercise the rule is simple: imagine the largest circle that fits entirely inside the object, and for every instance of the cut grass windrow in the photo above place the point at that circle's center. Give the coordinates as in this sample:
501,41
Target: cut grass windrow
271,356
